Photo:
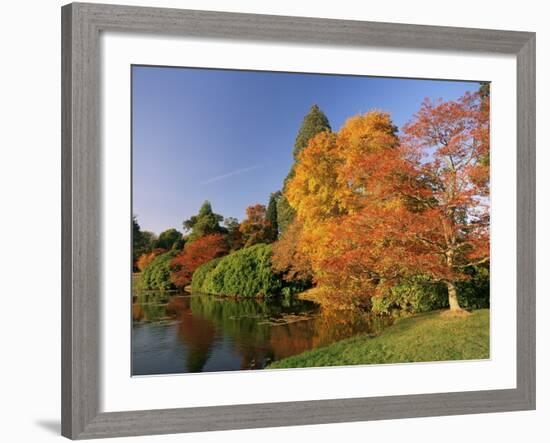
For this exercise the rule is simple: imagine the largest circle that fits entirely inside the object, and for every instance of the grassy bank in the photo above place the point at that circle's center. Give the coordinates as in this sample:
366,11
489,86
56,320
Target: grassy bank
425,337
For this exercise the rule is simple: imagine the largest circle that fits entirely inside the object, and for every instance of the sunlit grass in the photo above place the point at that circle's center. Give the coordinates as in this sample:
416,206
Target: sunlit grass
422,338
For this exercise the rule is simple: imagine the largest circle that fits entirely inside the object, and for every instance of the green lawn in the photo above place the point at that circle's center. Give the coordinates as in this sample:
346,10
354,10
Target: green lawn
425,337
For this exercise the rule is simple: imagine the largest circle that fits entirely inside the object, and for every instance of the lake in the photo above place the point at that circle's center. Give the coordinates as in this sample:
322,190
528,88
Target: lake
174,333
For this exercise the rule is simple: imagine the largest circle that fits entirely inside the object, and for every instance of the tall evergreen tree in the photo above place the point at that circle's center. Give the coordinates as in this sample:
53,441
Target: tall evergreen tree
285,214
314,122
271,214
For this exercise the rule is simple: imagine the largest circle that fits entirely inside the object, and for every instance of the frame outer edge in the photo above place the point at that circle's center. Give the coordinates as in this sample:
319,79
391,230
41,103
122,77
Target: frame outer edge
217,418
66,220
263,27
526,221
81,220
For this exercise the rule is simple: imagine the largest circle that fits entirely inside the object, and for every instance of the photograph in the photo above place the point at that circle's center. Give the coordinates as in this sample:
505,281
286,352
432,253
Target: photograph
302,220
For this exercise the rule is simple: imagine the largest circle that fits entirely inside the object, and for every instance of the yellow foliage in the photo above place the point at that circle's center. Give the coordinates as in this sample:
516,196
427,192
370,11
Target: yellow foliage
311,191
332,179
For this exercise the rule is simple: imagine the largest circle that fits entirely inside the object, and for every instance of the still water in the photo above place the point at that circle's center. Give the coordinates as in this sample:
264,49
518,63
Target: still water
201,333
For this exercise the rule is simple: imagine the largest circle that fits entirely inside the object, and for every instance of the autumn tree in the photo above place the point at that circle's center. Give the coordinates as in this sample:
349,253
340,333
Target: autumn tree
449,141
377,211
314,190
200,251
289,258
256,228
206,222
329,188
315,121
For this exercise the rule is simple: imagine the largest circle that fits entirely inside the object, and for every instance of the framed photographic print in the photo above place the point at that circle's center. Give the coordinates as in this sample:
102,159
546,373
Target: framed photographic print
273,221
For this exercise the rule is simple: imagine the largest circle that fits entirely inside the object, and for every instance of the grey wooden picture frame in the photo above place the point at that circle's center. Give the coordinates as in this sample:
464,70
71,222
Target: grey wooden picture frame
81,209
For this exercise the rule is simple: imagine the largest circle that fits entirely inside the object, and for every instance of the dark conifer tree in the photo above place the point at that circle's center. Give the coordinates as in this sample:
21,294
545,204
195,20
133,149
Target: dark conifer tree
271,214
314,122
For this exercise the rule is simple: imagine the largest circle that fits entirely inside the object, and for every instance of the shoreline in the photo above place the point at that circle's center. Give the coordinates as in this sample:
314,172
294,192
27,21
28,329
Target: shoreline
426,337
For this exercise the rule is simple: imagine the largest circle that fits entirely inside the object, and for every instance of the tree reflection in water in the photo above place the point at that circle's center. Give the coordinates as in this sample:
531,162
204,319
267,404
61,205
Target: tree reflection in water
220,334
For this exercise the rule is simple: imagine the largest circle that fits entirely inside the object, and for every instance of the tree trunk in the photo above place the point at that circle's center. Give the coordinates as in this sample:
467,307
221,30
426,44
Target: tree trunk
453,299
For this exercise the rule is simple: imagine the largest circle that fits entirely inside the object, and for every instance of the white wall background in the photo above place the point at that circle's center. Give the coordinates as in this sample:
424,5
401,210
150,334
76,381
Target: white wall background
30,220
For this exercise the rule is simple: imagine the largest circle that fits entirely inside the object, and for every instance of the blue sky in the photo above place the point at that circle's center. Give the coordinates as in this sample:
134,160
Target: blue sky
227,136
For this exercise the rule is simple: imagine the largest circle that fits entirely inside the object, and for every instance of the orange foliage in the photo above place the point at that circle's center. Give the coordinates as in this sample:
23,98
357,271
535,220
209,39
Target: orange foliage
287,258
375,211
145,259
195,254
256,228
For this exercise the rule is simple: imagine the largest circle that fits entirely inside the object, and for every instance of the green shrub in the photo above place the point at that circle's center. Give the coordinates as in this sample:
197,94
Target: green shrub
201,272
412,297
474,293
246,272
156,275
420,295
